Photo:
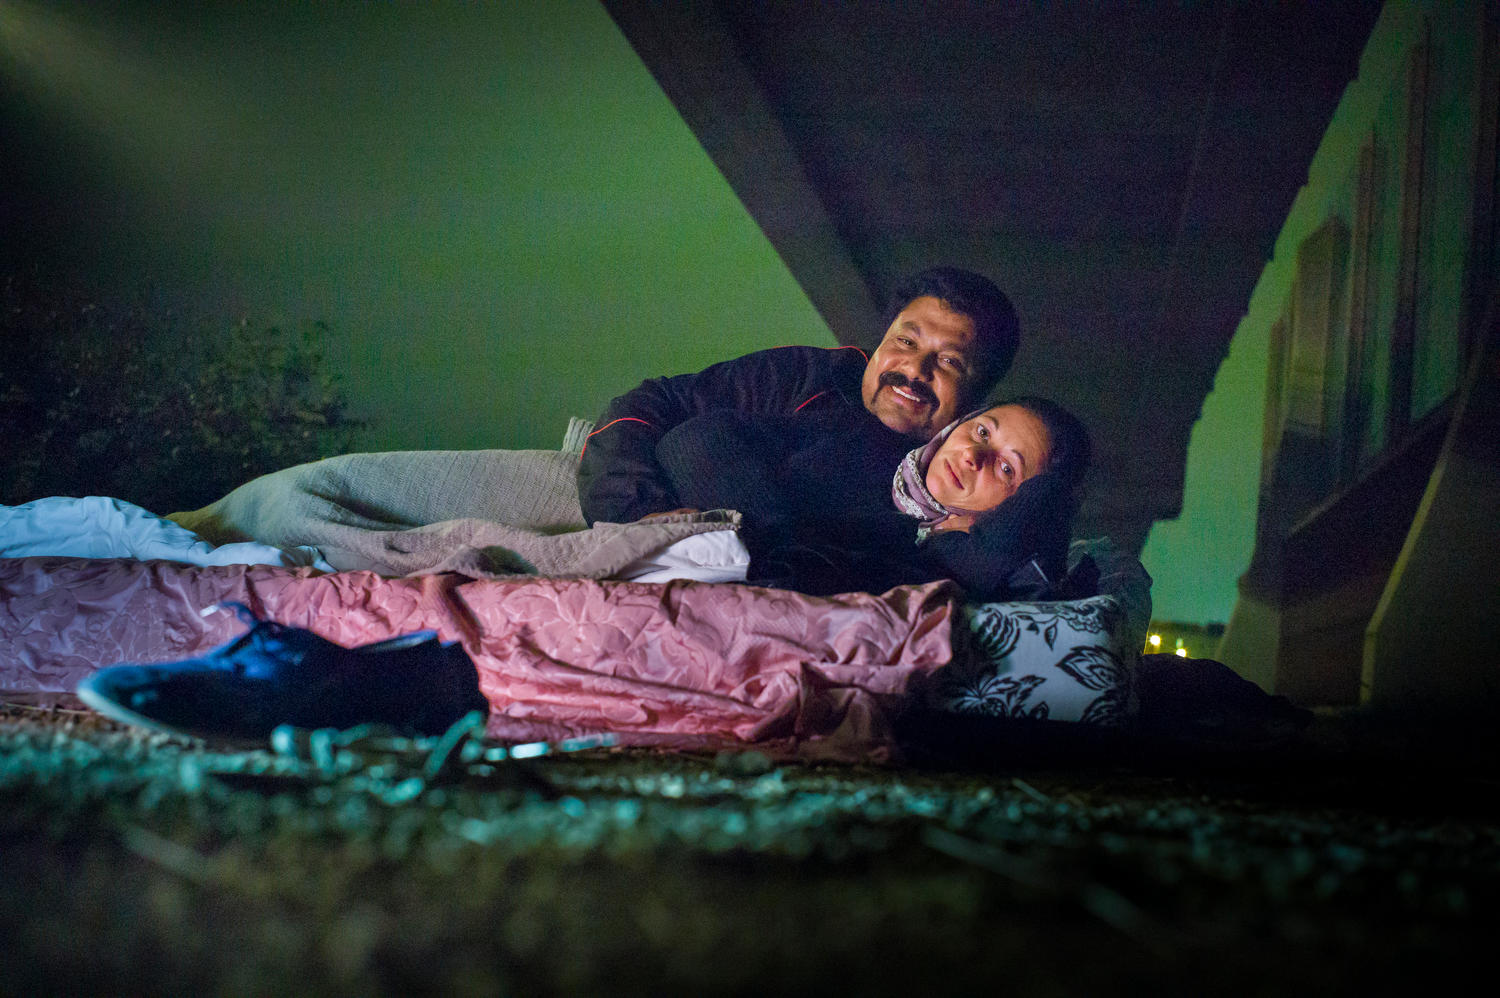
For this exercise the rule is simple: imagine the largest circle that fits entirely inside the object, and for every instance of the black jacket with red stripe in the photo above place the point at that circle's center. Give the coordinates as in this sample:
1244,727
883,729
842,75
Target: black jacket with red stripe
620,480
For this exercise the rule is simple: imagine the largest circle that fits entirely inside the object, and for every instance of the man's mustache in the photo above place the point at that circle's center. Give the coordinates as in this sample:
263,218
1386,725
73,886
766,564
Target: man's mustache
895,379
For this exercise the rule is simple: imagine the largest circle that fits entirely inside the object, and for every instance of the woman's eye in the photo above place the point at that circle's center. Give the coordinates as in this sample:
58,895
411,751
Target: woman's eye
982,433
1007,469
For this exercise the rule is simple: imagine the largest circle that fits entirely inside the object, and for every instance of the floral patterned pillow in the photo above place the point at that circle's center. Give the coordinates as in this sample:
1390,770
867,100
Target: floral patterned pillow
1054,661
1068,660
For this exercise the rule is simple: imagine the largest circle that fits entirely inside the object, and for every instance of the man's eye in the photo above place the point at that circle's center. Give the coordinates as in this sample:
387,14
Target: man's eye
1007,469
982,432
954,363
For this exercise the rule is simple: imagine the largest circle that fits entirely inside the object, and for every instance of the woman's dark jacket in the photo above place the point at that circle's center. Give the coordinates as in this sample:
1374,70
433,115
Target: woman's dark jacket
819,518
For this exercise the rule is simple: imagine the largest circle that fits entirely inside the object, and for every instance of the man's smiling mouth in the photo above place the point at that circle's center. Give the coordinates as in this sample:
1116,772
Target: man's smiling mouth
909,396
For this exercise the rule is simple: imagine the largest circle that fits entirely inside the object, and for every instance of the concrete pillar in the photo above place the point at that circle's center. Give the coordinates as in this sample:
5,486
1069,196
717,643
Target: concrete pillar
1434,641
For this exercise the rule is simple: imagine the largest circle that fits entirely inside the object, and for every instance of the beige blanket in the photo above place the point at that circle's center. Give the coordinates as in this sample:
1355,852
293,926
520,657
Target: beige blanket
484,513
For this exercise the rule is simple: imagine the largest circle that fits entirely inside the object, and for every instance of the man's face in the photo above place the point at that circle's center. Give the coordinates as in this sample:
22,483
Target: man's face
920,377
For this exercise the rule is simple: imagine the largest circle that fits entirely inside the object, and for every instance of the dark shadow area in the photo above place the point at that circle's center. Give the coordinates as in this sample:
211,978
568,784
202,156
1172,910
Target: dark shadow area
1047,865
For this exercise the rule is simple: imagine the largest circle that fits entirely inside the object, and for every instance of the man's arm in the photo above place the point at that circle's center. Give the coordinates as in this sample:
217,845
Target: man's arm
619,479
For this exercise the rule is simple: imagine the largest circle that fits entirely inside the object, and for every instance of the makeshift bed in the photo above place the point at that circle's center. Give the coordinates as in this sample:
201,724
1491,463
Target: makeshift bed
485,548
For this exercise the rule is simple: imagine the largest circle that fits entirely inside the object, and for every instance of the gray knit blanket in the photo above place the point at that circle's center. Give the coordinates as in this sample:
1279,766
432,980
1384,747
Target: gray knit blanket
485,513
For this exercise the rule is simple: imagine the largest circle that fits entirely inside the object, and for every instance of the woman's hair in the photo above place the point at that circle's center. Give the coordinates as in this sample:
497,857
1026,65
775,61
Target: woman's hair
1069,449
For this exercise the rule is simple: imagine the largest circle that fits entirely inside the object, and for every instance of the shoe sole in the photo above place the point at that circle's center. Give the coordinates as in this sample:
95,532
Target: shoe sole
98,702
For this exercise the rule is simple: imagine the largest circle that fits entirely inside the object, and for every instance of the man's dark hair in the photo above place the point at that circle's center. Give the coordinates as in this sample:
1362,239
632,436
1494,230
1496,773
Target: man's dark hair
997,331
1070,449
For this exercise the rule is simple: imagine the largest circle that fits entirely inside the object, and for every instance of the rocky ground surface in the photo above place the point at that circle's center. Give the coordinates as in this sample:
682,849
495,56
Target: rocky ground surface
363,864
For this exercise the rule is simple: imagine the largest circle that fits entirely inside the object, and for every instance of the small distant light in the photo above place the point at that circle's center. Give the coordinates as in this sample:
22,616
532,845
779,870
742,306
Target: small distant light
1155,640
1182,652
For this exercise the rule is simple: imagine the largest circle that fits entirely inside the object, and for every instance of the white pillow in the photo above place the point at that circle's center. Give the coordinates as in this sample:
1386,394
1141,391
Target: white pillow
716,556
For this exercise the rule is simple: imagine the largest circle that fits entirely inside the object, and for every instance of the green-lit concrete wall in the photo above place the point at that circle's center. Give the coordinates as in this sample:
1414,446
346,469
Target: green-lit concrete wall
1197,559
494,206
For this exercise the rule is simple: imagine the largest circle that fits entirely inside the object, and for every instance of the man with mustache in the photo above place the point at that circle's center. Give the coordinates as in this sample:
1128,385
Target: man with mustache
951,336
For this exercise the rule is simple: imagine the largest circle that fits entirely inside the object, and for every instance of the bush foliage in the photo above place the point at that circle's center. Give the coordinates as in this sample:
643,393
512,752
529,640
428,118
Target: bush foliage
109,400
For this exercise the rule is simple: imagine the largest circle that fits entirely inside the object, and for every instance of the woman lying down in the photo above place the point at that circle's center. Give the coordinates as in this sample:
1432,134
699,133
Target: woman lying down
992,495
987,501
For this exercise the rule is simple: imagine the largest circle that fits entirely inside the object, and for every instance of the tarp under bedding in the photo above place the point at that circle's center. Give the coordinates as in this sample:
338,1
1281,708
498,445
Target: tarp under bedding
681,664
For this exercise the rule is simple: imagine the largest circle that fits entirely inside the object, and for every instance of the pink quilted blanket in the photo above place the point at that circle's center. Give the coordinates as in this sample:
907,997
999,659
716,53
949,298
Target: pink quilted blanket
680,664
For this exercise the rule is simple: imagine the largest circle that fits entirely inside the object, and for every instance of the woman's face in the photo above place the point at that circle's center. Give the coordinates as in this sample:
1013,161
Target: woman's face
985,459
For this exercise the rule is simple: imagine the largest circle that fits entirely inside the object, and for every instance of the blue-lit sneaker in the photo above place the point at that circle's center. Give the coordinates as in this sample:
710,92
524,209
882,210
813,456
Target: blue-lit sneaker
275,674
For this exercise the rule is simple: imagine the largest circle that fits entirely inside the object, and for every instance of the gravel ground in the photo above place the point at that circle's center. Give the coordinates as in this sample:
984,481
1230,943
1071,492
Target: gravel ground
139,863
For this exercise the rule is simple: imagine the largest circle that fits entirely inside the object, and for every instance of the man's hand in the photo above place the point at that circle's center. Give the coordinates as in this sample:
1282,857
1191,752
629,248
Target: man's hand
956,522
685,510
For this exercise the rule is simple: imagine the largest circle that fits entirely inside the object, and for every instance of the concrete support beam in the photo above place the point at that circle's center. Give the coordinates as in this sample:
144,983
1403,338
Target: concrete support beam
1434,640
694,60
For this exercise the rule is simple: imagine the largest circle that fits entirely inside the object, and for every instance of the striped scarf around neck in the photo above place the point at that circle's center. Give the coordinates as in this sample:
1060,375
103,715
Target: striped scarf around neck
909,486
